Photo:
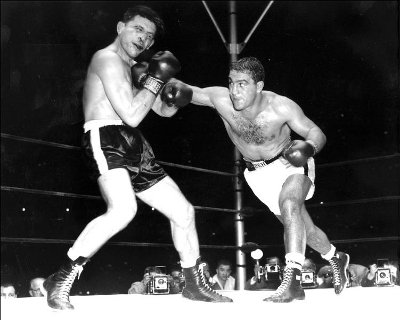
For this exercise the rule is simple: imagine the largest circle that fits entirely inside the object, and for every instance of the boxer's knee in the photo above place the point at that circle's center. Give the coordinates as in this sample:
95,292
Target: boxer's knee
290,208
120,216
186,218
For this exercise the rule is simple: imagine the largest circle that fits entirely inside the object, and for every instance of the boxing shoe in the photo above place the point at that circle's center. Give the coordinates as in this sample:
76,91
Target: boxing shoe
290,288
59,284
339,263
196,287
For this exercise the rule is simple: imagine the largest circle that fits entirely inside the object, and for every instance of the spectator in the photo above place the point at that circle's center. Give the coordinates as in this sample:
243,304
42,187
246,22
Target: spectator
177,280
370,278
325,277
309,265
141,287
270,277
223,280
8,291
357,273
36,287
308,274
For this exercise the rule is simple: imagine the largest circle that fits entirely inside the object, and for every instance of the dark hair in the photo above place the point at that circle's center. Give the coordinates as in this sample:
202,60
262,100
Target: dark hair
147,13
224,262
152,269
249,65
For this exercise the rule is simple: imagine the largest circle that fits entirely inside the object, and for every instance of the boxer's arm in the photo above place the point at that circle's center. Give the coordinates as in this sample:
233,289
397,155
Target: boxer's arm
130,107
301,124
208,96
162,109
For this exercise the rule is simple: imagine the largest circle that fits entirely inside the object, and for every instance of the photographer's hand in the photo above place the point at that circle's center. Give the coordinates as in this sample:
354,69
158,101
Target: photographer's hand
146,278
372,271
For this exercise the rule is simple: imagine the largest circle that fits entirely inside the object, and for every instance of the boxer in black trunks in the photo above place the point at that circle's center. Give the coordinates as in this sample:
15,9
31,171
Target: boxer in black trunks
118,94
279,171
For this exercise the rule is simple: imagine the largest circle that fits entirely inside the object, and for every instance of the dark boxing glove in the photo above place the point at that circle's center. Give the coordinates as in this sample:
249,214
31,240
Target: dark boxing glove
176,94
162,67
139,73
299,151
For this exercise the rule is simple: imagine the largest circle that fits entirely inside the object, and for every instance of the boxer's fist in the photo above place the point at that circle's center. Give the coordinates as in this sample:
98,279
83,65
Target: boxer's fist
299,152
176,94
139,73
162,67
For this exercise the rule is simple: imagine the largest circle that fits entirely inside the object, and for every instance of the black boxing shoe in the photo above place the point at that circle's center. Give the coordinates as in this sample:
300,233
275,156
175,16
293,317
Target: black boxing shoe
196,287
290,288
339,263
59,284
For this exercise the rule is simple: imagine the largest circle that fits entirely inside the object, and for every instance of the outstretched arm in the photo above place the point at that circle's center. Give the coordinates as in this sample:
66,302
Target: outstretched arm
178,94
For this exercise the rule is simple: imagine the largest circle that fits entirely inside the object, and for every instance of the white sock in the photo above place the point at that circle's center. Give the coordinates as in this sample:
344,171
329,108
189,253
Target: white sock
294,260
188,263
72,254
328,256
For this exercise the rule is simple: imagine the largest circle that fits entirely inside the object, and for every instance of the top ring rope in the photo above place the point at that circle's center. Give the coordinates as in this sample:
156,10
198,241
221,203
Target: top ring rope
65,146
322,165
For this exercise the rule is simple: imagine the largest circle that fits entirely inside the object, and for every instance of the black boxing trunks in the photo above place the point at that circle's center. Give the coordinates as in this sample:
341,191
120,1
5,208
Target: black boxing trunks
110,144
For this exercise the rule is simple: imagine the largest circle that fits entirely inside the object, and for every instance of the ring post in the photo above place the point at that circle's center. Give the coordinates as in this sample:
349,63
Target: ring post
238,183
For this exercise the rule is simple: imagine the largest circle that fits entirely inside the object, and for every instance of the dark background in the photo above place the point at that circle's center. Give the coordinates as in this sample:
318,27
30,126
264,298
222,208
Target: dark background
339,60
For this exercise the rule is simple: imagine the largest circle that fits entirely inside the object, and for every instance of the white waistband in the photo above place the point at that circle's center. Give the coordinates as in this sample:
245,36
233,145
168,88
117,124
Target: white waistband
95,124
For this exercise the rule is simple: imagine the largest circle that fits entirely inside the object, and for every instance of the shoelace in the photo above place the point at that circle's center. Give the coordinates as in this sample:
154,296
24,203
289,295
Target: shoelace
336,271
67,283
203,280
287,278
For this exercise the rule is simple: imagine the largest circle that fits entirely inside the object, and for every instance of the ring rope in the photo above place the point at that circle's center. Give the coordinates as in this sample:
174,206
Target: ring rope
342,163
210,246
83,196
357,201
323,165
65,146
312,205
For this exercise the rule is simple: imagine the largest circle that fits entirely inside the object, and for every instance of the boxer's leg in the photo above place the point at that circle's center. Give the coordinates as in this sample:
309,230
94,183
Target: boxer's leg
167,198
291,200
116,188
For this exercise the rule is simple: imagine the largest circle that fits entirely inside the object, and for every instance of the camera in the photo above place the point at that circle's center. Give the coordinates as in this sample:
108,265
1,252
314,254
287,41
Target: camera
158,284
272,268
383,275
308,279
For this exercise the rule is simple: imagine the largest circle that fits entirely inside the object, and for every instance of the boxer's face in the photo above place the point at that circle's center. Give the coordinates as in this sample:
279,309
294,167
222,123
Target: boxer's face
136,35
242,90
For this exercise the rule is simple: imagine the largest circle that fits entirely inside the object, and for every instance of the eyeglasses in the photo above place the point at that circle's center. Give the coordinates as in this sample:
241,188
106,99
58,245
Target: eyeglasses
327,275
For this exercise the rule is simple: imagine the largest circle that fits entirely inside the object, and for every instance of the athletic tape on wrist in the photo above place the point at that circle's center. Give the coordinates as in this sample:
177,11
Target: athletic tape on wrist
314,145
153,84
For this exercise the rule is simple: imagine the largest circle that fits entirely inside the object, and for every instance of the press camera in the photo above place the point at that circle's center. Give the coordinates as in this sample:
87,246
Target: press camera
308,279
158,284
383,275
272,268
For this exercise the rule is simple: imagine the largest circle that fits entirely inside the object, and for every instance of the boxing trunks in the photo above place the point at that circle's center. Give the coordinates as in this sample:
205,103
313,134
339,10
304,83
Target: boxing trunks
266,179
110,144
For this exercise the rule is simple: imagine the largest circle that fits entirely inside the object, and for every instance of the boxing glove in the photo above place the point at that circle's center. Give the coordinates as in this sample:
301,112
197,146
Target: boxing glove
299,151
176,94
162,67
139,73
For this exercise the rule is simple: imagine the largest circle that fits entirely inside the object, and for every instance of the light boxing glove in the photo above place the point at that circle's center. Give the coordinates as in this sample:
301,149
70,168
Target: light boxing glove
139,73
299,151
176,94
162,67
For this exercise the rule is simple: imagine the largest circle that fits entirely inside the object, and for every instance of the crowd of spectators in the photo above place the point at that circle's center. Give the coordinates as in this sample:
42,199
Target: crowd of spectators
170,280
